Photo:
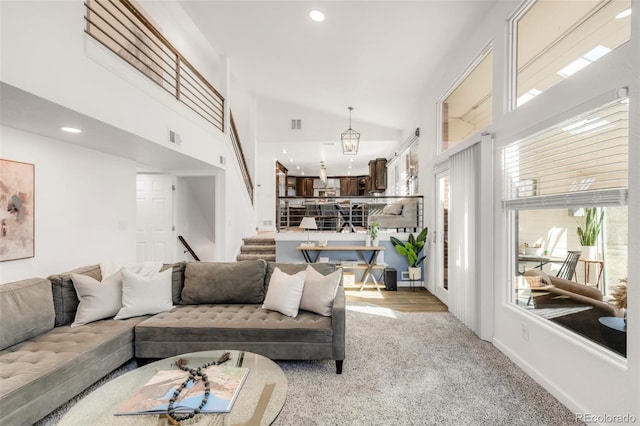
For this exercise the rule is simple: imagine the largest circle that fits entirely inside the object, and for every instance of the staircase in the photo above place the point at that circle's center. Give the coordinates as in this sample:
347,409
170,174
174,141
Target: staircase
258,247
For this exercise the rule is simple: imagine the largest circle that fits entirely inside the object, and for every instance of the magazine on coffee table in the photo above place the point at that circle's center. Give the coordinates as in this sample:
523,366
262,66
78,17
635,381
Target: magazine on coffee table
153,397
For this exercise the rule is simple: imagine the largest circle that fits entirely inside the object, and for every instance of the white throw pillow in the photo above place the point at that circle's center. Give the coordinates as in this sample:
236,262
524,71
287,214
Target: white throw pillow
284,292
145,295
98,300
146,269
319,291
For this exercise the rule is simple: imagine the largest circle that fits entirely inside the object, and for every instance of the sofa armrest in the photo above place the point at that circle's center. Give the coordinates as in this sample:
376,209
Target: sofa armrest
566,285
338,324
410,208
577,288
604,307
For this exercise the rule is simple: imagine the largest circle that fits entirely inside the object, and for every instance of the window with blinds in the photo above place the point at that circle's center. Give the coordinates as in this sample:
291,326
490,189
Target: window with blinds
466,110
580,162
555,39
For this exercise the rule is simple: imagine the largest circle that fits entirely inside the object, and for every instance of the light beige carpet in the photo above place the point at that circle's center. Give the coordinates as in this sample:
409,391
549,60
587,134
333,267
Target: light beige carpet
408,369
416,369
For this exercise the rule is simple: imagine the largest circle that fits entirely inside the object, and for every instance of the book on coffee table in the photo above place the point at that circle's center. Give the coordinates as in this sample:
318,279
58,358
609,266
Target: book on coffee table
153,397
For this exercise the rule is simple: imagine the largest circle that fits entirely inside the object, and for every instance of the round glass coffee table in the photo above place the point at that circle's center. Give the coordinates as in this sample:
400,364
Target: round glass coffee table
259,402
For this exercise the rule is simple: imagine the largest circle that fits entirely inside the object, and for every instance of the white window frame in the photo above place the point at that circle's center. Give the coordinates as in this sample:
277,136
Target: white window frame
488,48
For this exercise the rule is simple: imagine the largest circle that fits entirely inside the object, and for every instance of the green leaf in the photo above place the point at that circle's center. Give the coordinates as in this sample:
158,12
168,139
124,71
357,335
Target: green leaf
412,248
588,236
396,242
423,235
403,251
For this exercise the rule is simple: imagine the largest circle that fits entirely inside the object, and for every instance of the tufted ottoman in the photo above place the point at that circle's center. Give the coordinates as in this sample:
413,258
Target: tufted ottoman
247,327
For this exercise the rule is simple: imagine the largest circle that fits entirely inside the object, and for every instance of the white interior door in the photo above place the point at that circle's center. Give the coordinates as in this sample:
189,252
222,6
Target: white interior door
154,224
442,235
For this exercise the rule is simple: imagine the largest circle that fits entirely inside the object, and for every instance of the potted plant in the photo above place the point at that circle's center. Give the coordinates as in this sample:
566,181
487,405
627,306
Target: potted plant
619,295
412,250
373,232
588,236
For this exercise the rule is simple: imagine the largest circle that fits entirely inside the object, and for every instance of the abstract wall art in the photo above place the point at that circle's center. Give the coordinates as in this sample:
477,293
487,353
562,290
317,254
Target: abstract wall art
17,210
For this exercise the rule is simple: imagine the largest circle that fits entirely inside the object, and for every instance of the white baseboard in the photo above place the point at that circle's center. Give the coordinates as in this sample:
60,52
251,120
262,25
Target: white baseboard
541,379
407,284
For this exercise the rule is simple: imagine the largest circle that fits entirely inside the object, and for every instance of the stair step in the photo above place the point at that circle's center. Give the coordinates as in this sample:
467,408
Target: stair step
258,249
257,241
267,257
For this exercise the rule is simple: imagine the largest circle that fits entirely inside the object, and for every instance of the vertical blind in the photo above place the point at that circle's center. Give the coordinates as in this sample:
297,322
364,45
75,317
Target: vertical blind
463,230
583,161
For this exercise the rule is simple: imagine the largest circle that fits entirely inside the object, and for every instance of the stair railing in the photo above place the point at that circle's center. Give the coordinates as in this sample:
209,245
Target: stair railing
127,32
188,248
242,161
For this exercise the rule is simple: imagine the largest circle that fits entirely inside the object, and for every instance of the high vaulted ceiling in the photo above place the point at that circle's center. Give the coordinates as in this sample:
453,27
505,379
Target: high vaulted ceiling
376,56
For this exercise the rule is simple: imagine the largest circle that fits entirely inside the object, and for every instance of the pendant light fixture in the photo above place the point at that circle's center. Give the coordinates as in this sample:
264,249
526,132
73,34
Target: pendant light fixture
350,139
323,172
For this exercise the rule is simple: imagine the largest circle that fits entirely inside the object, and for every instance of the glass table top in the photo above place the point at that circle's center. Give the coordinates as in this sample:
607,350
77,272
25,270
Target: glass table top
259,402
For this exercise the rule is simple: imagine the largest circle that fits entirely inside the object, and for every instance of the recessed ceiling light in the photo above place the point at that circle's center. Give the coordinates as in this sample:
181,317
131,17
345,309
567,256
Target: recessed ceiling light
70,130
316,15
291,160
284,150
298,167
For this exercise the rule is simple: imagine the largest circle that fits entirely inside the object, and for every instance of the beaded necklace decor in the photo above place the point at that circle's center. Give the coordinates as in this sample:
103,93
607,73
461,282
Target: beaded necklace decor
194,374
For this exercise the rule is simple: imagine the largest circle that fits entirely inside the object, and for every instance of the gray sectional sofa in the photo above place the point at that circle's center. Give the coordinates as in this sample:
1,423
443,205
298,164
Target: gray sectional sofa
44,361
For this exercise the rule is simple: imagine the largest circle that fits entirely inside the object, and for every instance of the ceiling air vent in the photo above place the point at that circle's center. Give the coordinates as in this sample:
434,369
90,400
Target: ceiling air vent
296,124
174,138
222,159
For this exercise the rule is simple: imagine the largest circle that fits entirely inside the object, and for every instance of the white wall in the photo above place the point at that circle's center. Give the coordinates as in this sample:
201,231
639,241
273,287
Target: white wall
196,213
552,229
243,106
85,210
45,52
582,375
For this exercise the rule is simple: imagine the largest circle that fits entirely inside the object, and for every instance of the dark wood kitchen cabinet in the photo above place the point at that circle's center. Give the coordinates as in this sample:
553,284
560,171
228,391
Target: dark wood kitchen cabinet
348,186
304,187
378,175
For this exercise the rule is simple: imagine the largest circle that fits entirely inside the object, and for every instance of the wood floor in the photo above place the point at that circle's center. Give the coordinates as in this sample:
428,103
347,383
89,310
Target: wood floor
403,300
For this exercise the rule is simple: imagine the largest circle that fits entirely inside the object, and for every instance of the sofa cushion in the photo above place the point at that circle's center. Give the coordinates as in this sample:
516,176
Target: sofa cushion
65,299
224,282
395,208
285,292
319,291
177,280
541,277
98,300
292,268
142,295
233,323
26,310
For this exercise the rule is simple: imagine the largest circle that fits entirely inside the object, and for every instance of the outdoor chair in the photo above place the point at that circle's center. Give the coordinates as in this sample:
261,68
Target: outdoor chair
568,268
